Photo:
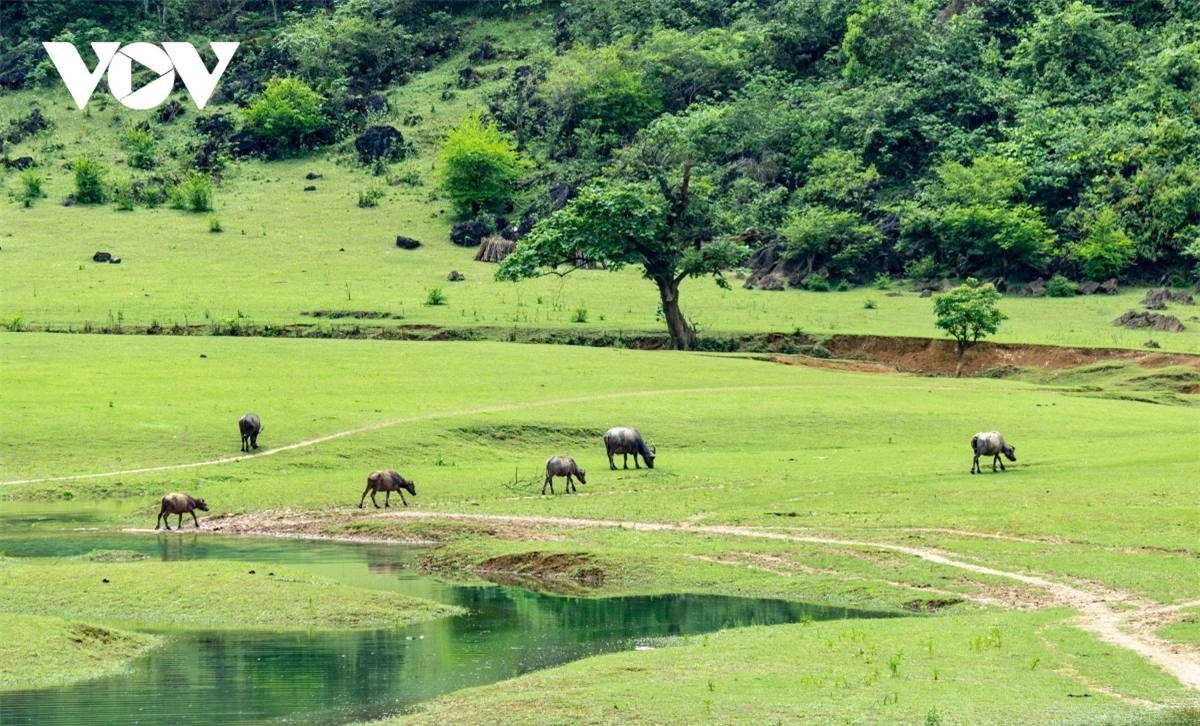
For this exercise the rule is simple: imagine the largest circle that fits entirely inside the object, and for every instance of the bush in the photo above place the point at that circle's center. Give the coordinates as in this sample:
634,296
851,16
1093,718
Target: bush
370,196
194,194
883,281
478,167
122,194
926,268
869,304
843,286
141,146
580,315
89,181
818,283
1106,250
214,225
31,187
435,296
288,114
1060,286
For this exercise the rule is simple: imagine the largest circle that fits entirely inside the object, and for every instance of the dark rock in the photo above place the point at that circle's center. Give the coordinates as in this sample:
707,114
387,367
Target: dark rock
217,126
485,51
469,233
208,156
168,112
468,78
455,276
22,162
250,143
927,293
376,102
115,261
772,270
406,243
945,285
102,257
412,119
560,194
499,74
1158,298
69,201
1109,287
1087,288
1133,320
310,188
1151,344
312,175
380,142
1037,288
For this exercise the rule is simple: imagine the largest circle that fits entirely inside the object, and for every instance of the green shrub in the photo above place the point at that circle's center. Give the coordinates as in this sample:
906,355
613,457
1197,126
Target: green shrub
288,114
883,281
141,146
843,286
1060,286
31,187
370,196
479,167
214,225
435,296
89,181
121,193
1106,250
193,194
926,268
869,304
580,315
818,283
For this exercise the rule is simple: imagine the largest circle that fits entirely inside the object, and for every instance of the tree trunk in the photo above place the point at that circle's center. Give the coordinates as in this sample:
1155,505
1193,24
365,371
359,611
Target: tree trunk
962,349
681,333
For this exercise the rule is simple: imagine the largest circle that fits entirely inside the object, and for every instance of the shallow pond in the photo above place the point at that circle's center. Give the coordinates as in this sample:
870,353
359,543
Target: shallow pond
323,677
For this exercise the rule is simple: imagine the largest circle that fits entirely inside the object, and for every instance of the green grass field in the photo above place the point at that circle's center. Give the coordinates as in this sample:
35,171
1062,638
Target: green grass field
38,651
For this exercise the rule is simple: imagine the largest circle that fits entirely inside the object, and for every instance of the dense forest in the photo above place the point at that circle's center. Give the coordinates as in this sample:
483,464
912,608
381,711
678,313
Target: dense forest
985,138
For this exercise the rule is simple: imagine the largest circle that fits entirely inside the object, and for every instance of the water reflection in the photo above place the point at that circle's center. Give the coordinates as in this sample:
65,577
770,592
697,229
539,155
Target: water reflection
254,677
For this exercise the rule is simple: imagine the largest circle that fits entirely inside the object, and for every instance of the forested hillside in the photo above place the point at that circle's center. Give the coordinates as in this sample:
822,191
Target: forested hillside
977,138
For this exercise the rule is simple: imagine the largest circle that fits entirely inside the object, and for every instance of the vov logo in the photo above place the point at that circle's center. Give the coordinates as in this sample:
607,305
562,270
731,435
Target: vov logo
118,61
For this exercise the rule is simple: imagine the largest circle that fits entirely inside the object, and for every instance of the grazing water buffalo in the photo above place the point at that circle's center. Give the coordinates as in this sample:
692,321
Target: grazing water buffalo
626,441
563,466
387,481
251,427
991,444
181,504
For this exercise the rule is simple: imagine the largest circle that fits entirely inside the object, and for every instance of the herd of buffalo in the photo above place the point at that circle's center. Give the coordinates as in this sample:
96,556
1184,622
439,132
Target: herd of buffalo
621,440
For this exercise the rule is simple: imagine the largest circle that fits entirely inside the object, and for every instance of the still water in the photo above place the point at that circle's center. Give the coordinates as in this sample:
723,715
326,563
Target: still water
322,677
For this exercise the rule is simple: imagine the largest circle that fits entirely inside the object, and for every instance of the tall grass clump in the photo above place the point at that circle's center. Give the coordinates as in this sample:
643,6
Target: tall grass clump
89,181
193,194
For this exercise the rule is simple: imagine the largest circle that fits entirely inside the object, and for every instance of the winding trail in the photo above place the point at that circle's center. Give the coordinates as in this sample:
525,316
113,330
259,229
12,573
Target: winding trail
1130,626
498,408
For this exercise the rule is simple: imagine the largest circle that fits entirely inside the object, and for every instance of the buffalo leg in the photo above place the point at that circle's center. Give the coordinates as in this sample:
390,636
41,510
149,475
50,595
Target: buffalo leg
364,497
572,483
626,460
179,522
244,446
158,521
254,441
975,464
1001,462
400,494
166,521
194,520
373,499
387,499
547,483
635,461
611,465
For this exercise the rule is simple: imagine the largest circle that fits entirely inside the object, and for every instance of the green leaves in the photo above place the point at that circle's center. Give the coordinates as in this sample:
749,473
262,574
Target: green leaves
479,167
1107,250
287,113
968,313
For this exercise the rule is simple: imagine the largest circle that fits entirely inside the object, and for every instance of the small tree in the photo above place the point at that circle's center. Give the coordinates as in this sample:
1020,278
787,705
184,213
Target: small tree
1107,250
287,113
478,166
968,313
141,146
89,181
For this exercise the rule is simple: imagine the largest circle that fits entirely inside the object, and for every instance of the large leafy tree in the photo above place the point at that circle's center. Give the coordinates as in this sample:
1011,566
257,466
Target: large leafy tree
654,211
968,313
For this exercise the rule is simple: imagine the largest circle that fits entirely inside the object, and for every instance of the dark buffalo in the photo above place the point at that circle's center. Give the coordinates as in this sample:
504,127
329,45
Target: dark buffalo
387,481
626,441
250,426
563,466
181,504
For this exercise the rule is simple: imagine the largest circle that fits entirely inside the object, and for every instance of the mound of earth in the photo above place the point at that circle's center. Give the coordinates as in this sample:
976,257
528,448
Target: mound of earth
494,249
1157,298
1134,320
577,566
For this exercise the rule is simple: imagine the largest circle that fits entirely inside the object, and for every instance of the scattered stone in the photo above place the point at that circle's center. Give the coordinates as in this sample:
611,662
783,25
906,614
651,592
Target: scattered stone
895,294
217,126
469,233
468,78
1109,286
22,162
115,261
455,276
1133,320
1157,298
499,74
1037,288
250,143
1087,288
485,51
406,243
772,270
310,188
380,142
945,285
559,195
927,293
102,257
312,175
494,249
69,201
168,112
1151,344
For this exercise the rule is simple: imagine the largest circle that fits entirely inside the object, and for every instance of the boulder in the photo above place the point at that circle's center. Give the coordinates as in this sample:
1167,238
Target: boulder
469,233
927,293
455,276
22,162
406,243
1157,298
1109,286
1037,288
169,111
1087,288
560,194
115,261
380,142
102,257
485,51
312,175
310,188
468,78
250,143
217,126
1134,320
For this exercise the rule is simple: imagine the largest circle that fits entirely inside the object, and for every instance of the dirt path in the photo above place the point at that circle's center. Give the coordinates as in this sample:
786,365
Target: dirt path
1118,618
396,422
